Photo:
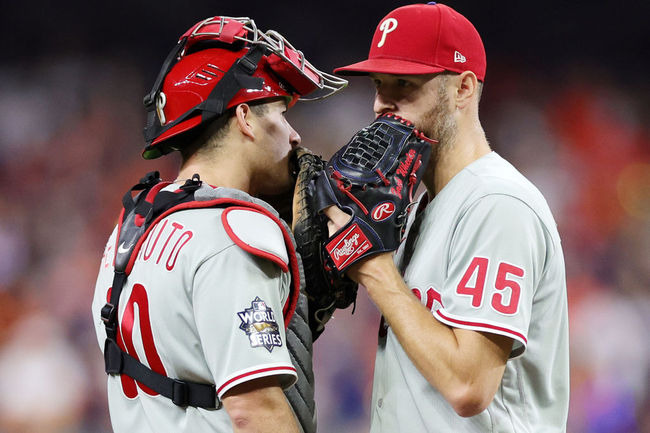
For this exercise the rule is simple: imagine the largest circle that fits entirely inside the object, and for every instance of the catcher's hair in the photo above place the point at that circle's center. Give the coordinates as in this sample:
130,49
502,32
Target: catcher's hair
210,137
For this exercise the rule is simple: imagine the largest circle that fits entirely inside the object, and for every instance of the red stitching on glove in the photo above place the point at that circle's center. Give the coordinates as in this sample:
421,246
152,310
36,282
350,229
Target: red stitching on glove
382,177
346,191
413,177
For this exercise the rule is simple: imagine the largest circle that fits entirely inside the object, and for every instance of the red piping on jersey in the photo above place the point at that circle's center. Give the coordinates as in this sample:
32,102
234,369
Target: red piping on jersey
250,373
483,325
246,247
290,306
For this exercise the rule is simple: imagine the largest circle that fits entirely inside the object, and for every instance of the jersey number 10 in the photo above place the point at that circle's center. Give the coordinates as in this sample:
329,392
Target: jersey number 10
125,339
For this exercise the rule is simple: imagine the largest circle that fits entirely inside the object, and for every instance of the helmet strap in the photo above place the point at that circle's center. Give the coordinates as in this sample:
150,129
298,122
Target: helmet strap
239,76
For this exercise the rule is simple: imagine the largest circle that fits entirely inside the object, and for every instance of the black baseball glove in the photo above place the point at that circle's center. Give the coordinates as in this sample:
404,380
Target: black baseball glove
325,291
372,179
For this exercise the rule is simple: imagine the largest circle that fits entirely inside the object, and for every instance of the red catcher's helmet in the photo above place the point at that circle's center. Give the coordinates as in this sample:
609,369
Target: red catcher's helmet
217,64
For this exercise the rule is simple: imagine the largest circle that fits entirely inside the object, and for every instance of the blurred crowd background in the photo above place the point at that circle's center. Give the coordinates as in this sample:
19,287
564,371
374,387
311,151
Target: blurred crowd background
566,101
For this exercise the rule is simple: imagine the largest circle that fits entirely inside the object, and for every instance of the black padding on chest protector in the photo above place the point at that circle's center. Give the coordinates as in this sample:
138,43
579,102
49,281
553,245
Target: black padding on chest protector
139,213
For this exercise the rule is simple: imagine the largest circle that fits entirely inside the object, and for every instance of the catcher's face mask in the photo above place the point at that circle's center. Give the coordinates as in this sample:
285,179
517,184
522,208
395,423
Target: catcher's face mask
219,63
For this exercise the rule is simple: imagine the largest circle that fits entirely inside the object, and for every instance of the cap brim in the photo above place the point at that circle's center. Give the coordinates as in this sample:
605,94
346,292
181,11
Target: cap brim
387,66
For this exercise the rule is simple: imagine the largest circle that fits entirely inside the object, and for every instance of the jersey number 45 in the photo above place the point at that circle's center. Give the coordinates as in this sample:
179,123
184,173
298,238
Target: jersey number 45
506,294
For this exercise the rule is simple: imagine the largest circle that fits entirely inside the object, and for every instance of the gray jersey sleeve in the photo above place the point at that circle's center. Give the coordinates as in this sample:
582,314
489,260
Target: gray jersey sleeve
238,300
496,260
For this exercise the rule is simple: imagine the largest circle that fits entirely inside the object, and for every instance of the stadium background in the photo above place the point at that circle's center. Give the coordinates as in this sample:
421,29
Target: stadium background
566,100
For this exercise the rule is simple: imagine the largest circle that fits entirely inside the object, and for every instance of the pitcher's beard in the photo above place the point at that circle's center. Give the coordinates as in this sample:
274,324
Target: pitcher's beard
439,124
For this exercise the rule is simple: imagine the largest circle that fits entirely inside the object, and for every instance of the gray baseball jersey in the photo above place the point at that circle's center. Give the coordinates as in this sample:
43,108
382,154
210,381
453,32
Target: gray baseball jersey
204,303
484,255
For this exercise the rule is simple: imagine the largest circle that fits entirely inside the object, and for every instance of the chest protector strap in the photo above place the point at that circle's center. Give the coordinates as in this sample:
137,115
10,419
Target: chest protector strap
139,215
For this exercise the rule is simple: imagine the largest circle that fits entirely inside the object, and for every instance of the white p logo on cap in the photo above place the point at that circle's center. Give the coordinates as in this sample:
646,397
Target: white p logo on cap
387,26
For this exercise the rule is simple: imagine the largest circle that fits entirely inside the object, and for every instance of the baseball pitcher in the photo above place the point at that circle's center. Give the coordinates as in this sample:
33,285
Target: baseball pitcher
469,277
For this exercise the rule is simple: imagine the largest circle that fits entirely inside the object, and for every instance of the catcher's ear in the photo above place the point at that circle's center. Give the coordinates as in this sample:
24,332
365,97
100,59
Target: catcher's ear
243,116
467,88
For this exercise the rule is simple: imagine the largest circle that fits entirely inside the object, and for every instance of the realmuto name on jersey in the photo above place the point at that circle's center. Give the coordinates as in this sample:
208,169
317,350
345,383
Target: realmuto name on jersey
164,243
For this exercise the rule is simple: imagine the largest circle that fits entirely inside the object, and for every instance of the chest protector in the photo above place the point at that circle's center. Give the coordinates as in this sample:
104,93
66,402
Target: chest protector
139,215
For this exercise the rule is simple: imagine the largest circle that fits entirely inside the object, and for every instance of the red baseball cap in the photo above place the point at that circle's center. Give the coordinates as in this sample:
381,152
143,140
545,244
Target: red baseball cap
422,39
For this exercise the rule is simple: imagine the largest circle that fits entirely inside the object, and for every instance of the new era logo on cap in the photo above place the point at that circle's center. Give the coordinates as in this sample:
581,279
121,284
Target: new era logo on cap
459,58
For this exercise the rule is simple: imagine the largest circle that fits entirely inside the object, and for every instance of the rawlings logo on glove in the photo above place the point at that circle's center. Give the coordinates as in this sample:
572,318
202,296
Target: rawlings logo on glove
348,246
383,211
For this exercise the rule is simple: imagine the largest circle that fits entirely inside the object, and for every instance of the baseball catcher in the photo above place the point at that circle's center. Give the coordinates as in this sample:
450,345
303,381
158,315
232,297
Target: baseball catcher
198,304
373,179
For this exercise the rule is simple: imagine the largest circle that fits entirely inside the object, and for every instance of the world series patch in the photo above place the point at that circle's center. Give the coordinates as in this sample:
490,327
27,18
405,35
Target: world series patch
258,322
